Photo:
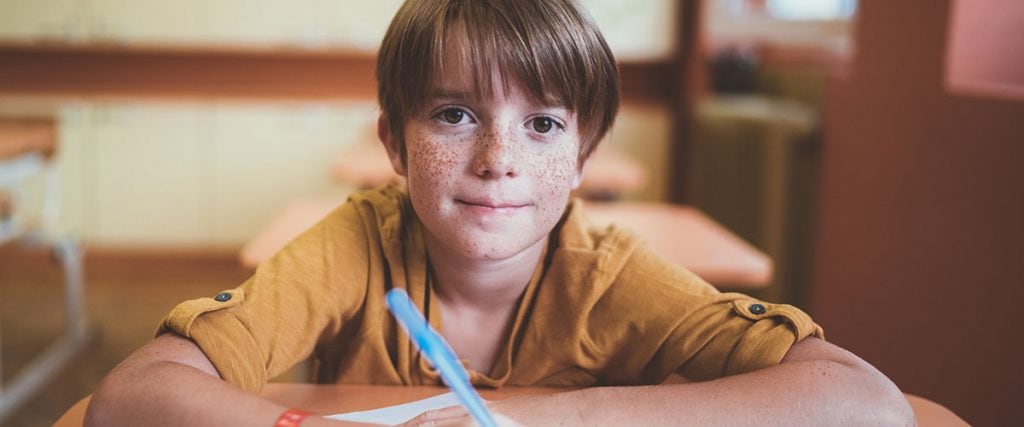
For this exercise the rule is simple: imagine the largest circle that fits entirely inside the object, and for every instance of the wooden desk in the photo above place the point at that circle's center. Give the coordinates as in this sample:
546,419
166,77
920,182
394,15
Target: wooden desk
693,240
334,399
612,173
21,136
365,164
296,218
679,233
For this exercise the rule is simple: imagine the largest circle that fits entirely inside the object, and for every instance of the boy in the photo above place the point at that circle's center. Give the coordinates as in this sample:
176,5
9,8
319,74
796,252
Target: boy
490,110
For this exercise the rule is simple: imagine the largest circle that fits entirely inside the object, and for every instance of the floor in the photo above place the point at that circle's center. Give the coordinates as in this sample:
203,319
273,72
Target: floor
126,299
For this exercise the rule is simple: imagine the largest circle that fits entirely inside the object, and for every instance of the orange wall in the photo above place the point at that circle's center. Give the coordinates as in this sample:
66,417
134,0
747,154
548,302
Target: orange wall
921,247
981,34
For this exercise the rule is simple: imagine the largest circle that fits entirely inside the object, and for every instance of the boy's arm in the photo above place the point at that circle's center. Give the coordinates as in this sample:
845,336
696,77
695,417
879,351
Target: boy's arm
817,383
171,382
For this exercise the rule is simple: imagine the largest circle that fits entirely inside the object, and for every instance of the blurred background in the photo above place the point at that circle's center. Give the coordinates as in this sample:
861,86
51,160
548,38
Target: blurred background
872,150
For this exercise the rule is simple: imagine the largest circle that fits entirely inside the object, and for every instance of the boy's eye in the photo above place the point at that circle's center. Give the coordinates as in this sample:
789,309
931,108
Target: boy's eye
452,116
542,124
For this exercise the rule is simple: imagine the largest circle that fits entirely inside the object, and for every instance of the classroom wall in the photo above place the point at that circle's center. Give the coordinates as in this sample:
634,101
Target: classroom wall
197,175
922,219
207,176
633,32
310,24
212,172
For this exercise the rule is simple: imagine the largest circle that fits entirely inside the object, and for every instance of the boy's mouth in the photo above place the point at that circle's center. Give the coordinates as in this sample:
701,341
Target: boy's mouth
490,204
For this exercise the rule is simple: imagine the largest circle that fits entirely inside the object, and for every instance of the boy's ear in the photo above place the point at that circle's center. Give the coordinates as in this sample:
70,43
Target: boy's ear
387,138
578,179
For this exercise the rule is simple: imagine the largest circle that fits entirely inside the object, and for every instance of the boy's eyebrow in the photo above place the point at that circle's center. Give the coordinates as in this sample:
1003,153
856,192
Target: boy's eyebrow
444,93
462,95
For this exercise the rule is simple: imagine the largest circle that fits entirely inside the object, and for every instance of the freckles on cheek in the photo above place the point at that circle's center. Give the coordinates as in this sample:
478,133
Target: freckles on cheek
554,181
426,179
430,162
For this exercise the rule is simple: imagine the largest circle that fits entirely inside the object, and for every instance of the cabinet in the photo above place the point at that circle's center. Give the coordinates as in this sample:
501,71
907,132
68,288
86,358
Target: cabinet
264,156
755,170
634,33
254,23
144,168
198,175
40,20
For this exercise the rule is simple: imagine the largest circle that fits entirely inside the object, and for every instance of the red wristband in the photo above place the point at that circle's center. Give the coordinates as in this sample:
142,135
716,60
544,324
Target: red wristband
291,418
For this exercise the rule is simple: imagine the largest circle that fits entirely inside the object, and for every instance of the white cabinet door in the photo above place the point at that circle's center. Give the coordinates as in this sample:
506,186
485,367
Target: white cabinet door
636,31
242,23
145,21
74,130
198,175
257,22
147,175
28,20
269,155
340,24
358,25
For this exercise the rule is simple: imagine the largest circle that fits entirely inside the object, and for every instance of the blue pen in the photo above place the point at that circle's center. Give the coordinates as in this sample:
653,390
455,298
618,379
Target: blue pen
437,351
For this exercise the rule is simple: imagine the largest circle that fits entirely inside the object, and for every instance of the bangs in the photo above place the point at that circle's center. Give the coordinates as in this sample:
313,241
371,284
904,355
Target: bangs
550,48
493,47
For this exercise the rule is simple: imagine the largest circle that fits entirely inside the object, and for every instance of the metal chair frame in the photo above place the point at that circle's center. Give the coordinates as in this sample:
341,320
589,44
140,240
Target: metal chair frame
30,379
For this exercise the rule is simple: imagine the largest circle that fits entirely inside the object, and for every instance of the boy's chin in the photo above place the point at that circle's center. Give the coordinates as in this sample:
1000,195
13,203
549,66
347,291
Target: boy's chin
489,254
494,250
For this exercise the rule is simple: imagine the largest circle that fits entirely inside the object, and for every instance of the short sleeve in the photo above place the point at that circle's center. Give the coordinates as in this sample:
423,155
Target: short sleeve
677,323
306,292
740,334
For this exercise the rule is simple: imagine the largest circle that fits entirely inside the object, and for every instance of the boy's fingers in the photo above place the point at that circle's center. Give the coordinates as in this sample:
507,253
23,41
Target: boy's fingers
454,416
439,417
504,421
449,412
421,420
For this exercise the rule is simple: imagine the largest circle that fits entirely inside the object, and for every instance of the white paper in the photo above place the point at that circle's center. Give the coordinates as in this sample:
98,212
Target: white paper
399,414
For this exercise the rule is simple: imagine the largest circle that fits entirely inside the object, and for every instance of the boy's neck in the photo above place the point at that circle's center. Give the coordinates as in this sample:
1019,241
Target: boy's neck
481,284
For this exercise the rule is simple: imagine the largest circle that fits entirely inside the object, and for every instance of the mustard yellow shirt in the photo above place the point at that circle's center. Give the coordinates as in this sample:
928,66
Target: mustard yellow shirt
601,309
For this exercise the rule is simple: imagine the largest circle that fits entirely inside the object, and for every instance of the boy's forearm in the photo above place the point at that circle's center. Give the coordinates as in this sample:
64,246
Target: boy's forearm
817,383
169,393
803,393
170,381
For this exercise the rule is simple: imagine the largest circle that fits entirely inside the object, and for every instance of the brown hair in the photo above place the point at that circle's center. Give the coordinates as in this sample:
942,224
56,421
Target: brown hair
551,47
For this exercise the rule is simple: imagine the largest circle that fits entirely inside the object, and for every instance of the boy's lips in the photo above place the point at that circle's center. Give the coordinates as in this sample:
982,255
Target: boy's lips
495,205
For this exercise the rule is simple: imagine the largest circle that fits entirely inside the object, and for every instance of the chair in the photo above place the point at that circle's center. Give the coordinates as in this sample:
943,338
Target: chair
26,147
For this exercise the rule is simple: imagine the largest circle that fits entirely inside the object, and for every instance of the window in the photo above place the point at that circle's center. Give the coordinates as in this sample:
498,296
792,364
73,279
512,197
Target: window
983,52
824,25
811,10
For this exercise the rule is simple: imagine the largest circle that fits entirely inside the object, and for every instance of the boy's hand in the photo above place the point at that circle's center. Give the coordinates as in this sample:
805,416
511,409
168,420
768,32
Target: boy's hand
549,409
455,416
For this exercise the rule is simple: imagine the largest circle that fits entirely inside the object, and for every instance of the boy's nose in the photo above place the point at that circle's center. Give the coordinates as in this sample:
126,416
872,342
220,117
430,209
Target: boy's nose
496,157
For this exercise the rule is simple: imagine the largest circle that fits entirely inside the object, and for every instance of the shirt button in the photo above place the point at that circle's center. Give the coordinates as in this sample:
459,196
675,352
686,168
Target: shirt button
757,308
223,297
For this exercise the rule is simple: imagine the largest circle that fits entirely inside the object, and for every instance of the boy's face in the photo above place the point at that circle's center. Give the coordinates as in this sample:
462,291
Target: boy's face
488,178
